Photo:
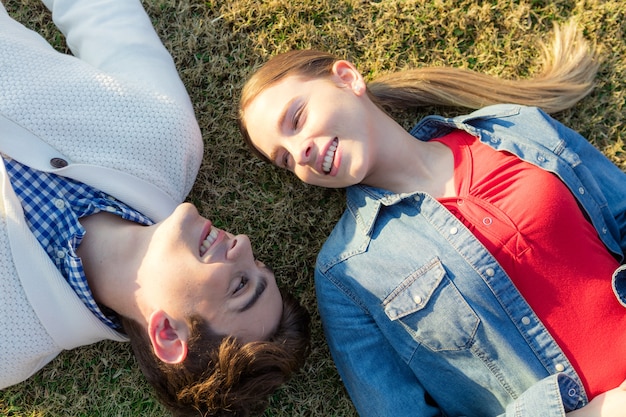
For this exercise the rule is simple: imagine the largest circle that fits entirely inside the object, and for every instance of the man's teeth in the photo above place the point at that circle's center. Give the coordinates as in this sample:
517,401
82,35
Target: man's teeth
208,241
330,155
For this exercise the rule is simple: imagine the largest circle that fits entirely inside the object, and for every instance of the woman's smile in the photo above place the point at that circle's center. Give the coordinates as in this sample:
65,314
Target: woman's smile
330,156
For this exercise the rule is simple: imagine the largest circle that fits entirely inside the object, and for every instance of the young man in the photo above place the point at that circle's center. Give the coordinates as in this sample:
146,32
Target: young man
99,150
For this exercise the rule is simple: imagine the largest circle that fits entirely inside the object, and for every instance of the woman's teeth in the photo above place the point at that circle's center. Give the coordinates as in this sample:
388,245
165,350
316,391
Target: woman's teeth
330,155
208,241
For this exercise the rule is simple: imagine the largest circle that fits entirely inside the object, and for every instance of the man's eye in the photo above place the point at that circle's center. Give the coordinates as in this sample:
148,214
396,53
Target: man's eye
241,285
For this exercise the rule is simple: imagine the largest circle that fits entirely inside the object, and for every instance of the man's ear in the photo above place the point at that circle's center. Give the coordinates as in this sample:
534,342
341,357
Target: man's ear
168,337
348,75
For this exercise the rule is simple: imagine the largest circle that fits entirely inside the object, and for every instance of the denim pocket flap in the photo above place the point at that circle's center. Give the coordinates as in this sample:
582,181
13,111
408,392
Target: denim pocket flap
415,290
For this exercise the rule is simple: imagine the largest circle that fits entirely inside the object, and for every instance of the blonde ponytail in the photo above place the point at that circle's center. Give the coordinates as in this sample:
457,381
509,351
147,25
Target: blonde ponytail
569,65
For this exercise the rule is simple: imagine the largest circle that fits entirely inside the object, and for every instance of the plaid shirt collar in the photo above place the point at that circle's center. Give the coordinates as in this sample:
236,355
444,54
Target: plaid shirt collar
52,206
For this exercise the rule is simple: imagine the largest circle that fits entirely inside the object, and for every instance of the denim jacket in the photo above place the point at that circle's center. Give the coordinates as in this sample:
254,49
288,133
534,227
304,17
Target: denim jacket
421,319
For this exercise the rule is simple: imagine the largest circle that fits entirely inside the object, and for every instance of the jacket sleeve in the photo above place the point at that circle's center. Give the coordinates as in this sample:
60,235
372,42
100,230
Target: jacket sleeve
377,380
544,398
117,37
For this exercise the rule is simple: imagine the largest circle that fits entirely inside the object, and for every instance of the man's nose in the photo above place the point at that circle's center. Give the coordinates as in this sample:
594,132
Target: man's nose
241,249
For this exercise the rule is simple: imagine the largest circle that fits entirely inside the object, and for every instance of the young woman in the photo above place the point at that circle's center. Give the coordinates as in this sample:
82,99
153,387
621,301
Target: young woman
95,240
474,269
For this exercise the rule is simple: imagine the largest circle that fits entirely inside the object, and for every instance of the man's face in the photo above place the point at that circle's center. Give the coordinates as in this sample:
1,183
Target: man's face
202,270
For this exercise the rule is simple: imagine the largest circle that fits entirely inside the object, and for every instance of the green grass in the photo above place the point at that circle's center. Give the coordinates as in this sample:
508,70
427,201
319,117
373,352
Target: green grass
215,45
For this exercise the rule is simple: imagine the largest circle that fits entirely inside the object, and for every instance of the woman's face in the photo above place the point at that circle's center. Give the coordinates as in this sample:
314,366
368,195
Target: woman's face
197,269
315,128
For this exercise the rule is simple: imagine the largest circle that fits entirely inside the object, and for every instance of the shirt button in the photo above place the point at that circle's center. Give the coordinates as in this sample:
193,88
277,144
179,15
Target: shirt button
417,299
526,322
559,367
454,230
487,221
60,254
58,203
572,392
490,272
58,163
540,158
417,198
581,190
110,209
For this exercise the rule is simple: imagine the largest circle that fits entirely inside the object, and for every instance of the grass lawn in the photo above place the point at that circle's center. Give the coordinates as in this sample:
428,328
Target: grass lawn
216,44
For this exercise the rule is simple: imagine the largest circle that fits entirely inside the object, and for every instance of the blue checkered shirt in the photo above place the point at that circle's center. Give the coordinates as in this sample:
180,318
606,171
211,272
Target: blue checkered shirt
52,206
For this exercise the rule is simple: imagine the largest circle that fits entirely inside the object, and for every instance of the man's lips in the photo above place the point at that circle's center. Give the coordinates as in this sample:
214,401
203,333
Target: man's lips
211,237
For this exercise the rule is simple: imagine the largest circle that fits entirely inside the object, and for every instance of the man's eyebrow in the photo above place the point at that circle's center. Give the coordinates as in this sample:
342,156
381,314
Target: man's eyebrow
260,287
279,126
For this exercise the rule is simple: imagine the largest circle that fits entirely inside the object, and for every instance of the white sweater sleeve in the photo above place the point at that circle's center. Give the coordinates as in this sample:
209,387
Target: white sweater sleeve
117,37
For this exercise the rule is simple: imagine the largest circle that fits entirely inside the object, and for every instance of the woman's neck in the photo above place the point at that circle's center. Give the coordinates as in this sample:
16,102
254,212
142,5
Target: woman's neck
403,164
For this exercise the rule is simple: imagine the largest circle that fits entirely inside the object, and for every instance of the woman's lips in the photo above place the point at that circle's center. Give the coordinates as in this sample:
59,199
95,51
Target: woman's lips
327,164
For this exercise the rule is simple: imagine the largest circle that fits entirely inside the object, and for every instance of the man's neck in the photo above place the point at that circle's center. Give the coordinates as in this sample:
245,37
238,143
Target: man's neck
111,254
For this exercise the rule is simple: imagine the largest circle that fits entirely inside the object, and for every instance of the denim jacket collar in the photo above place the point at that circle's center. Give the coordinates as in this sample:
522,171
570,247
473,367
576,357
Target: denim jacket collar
437,126
364,203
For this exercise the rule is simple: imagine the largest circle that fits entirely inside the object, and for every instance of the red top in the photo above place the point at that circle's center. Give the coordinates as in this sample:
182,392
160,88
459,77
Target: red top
531,223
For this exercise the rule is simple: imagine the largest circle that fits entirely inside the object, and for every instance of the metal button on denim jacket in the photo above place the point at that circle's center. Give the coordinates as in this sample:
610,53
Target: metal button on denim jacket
420,318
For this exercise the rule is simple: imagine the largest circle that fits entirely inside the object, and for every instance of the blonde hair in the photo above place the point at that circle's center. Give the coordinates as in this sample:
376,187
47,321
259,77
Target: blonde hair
568,67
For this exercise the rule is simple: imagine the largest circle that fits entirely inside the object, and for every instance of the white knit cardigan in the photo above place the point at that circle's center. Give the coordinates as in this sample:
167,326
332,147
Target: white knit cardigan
115,116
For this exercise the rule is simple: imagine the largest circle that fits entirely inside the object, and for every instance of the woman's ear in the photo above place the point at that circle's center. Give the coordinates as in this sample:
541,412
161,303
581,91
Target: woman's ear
347,75
168,337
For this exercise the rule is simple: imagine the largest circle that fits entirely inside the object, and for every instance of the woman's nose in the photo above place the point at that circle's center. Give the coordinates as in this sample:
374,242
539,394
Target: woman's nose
303,153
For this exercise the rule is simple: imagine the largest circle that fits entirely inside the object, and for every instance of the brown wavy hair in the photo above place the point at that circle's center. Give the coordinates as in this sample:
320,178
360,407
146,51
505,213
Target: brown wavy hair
568,67
221,376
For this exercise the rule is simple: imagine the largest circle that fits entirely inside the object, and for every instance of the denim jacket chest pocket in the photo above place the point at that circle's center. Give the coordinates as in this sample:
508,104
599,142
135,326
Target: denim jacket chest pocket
432,310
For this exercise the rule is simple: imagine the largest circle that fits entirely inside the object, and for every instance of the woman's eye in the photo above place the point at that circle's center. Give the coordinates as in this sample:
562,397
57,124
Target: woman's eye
285,160
241,285
296,118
